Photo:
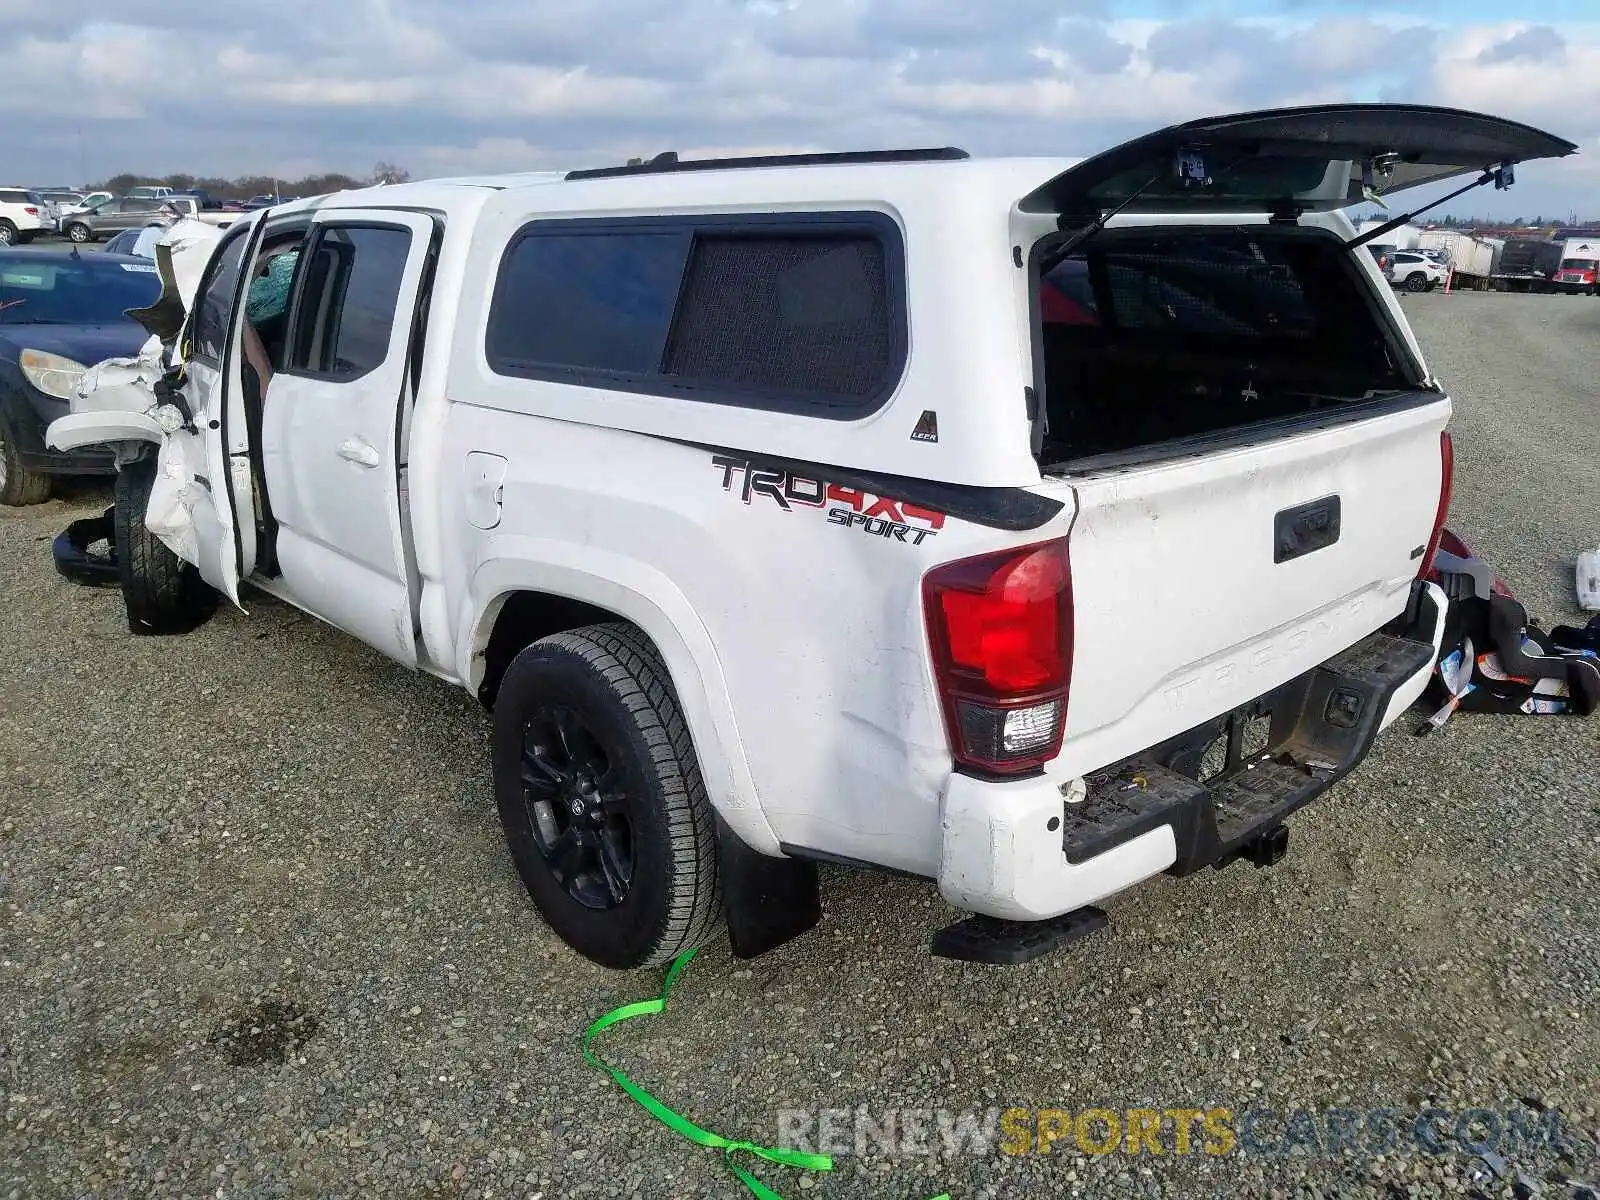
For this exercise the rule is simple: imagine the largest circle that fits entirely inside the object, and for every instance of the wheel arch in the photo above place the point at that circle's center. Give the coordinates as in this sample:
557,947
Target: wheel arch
535,588
520,618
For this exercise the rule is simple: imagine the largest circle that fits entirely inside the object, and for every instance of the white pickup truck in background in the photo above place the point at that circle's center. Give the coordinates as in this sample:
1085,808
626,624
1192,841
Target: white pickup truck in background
1031,526
188,206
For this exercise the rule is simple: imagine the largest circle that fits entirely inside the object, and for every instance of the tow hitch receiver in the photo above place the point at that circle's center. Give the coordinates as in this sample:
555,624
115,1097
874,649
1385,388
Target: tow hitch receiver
1268,849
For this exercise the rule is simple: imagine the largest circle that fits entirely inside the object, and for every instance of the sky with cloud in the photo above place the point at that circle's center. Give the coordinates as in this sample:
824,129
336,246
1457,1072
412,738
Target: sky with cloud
296,87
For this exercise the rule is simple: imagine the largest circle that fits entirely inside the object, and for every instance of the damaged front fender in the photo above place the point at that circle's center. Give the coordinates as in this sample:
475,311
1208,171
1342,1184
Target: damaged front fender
116,406
181,258
116,387
119,401
116,401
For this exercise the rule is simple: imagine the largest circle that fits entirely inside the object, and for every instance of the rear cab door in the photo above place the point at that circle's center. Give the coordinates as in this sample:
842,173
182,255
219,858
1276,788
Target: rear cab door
1209,569
333,434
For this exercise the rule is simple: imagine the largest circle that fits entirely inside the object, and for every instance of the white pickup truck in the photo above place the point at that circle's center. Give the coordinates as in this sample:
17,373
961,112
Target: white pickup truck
189,207
1030,526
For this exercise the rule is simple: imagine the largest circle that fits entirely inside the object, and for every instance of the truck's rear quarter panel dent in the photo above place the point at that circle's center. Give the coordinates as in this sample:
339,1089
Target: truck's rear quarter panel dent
428,473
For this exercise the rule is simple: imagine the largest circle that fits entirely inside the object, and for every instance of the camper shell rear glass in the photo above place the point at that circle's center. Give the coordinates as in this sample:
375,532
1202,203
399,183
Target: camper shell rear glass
1158,341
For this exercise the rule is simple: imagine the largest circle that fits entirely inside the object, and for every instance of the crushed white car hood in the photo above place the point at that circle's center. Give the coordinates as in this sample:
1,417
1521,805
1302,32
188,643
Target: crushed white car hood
121,384
181,257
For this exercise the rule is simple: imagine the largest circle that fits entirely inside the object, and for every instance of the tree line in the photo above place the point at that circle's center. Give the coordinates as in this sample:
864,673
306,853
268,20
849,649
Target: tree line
1534,222
1454,222
246,186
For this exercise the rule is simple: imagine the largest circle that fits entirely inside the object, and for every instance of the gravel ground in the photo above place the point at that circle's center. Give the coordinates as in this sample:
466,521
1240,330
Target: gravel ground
258,935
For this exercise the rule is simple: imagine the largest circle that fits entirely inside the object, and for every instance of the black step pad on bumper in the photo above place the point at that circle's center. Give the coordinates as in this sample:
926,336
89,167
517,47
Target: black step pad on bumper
1313,730
1001,943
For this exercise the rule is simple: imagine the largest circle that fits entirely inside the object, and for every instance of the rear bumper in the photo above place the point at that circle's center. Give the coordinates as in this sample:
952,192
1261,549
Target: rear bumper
1018,850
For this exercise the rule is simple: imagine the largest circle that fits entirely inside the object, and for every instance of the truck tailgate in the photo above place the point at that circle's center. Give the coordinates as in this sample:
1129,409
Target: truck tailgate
1197,586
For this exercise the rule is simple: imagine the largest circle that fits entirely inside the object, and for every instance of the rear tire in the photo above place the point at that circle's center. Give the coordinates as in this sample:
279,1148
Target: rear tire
19,485
162,593
601,799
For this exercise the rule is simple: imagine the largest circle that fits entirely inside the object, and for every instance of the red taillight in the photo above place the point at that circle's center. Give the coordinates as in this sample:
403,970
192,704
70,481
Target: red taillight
1000,627
1447,470
30,210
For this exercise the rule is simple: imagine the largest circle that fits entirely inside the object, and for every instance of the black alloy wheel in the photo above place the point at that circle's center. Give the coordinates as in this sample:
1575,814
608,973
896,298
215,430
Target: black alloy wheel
601,800
579,816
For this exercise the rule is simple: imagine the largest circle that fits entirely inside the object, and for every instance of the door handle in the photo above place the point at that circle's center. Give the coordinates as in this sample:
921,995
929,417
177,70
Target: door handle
357,451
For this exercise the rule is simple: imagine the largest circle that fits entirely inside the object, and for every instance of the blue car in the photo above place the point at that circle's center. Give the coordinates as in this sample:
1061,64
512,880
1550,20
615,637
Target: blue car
60,312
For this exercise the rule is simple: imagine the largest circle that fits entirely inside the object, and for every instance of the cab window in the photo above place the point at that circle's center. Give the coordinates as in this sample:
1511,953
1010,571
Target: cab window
346,309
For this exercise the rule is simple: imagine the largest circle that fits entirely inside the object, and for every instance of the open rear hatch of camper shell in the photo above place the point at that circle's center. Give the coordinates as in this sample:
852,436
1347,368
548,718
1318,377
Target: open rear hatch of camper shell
1309,535
1289,161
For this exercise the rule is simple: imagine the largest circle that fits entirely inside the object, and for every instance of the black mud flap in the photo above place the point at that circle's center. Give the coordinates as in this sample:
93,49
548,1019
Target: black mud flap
77,562
767,901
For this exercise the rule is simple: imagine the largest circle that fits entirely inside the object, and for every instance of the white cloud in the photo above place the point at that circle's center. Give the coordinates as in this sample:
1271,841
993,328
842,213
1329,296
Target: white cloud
208,86
1563,90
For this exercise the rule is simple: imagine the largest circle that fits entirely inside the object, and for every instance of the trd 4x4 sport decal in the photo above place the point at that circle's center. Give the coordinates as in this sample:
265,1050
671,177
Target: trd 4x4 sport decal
881,516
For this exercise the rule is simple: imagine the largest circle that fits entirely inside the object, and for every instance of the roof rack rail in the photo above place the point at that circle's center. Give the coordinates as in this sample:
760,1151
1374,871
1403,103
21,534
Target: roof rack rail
669,162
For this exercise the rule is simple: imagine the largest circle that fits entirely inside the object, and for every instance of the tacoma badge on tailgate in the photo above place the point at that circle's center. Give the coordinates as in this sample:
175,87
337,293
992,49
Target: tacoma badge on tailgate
1300,530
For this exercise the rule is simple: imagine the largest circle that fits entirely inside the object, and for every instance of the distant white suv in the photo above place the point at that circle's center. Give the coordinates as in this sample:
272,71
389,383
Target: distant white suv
1030,526
1416,271
23,217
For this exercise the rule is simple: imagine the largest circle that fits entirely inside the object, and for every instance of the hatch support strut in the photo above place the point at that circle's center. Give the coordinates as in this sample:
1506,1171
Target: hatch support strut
1500,176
